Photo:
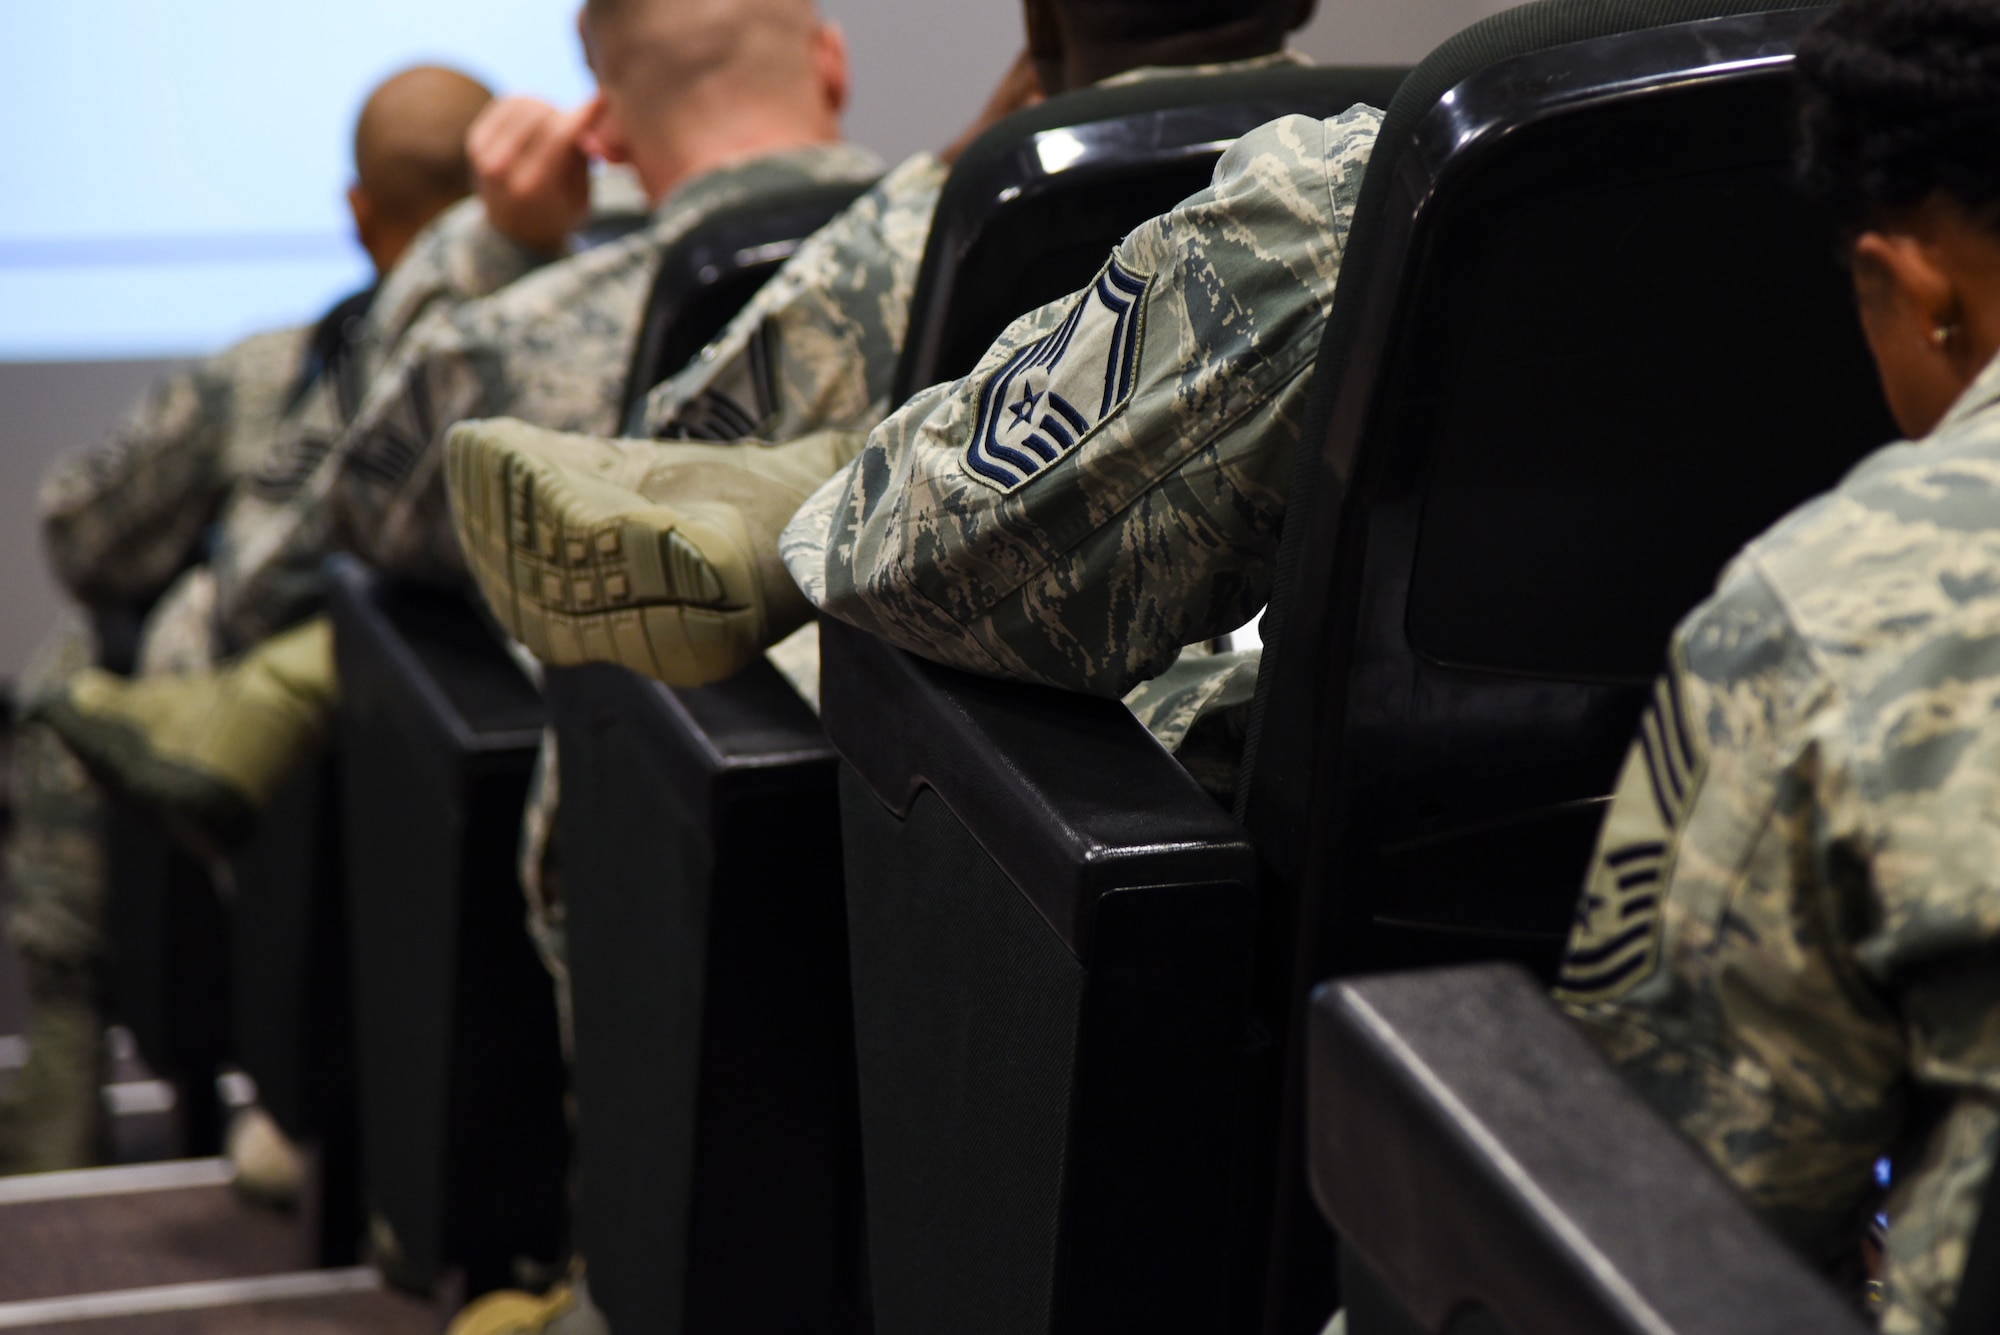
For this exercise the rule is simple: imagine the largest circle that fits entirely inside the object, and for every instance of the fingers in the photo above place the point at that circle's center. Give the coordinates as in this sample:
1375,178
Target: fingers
533,176
500,132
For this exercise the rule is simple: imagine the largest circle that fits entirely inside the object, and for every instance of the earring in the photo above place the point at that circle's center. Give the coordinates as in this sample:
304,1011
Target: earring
1944,334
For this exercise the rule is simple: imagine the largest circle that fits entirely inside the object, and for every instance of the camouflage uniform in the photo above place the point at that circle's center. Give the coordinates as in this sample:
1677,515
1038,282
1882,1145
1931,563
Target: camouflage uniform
552,348
1108,485
122,519
265,568
1787,935
817,347
120,522
124,523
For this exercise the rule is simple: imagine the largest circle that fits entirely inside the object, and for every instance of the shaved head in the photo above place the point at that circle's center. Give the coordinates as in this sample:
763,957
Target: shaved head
658,56
409,144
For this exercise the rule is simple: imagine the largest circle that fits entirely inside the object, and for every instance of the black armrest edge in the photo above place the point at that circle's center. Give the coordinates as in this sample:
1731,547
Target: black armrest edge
1467,1140
1109,807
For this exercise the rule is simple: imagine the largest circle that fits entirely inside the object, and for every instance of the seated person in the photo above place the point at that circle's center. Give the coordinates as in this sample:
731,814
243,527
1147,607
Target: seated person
712,103
1788,936
123,522
807,357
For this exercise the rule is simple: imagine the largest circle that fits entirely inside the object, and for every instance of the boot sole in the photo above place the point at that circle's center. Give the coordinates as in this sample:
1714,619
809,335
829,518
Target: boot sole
581,571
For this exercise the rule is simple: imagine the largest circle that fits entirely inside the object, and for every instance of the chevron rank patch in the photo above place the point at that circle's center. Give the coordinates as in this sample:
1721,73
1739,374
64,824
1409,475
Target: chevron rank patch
1053,393
1615,943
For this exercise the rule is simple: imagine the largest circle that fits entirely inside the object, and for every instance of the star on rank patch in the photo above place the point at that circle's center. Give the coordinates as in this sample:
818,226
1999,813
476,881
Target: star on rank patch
1052,394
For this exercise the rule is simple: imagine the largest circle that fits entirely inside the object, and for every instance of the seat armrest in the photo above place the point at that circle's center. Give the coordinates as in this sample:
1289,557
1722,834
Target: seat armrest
437,649
1467,1140
739,737
1069,794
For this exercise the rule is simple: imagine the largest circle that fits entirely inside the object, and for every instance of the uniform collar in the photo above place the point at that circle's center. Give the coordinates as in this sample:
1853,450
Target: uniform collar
1277,60
812,162
1980,397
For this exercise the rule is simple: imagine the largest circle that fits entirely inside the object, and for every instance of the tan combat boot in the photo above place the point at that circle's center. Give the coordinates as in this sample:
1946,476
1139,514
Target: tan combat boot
204,751
658,556
565,1309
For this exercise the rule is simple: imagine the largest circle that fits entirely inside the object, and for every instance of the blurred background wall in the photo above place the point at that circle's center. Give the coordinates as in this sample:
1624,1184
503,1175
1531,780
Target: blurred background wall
179,183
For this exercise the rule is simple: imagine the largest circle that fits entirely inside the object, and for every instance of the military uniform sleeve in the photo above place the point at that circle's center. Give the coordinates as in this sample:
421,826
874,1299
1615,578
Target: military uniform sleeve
1790,923
121,520
1109,483
460,257
272,534
816,348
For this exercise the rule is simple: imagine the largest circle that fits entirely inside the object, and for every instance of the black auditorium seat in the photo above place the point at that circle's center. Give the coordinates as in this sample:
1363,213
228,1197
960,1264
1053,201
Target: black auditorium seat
1035,205
1487,1171
1589,342
1578,291
710,274
461,1074
292,991
192,976
699,858
1048,1126
462,1082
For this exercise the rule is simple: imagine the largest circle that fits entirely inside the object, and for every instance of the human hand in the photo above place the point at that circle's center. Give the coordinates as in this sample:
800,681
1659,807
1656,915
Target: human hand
531,170
1019,88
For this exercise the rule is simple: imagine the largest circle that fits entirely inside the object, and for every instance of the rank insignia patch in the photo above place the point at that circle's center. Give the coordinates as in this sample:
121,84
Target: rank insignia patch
1052,394
1615,943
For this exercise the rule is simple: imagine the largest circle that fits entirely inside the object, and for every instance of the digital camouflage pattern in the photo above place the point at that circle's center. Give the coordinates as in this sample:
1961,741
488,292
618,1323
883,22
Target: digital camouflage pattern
55,850
552,348
263,574
122,518
1199,709
1788,933
1083,544
816,349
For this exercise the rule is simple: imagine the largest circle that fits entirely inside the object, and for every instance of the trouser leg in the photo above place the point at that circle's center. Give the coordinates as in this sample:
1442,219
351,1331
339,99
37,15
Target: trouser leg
56,862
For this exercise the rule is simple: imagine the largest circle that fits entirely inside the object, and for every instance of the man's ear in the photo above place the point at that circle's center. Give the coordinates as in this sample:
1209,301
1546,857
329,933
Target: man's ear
366,220
831,67
1302,13
583,38
603,135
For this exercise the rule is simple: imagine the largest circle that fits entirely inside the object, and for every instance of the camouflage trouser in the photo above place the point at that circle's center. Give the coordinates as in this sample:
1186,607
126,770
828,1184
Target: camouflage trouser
541,882
1199,709
56,853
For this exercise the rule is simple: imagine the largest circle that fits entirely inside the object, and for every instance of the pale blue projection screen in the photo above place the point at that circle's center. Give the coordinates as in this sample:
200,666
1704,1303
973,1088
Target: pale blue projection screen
172,173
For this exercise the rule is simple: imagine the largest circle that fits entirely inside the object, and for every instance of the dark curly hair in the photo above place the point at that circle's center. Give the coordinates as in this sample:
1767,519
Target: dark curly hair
1900,100
1144,20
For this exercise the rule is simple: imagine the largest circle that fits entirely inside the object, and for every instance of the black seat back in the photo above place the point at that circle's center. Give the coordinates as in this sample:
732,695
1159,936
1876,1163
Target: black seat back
1051,926
461,1073
710,274
698,849
1036,204
1488,1170
1589,340
708,965
174,945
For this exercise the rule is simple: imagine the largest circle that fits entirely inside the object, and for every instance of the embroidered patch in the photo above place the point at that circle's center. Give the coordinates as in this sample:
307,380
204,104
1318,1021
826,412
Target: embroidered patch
1052,394
1615,944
